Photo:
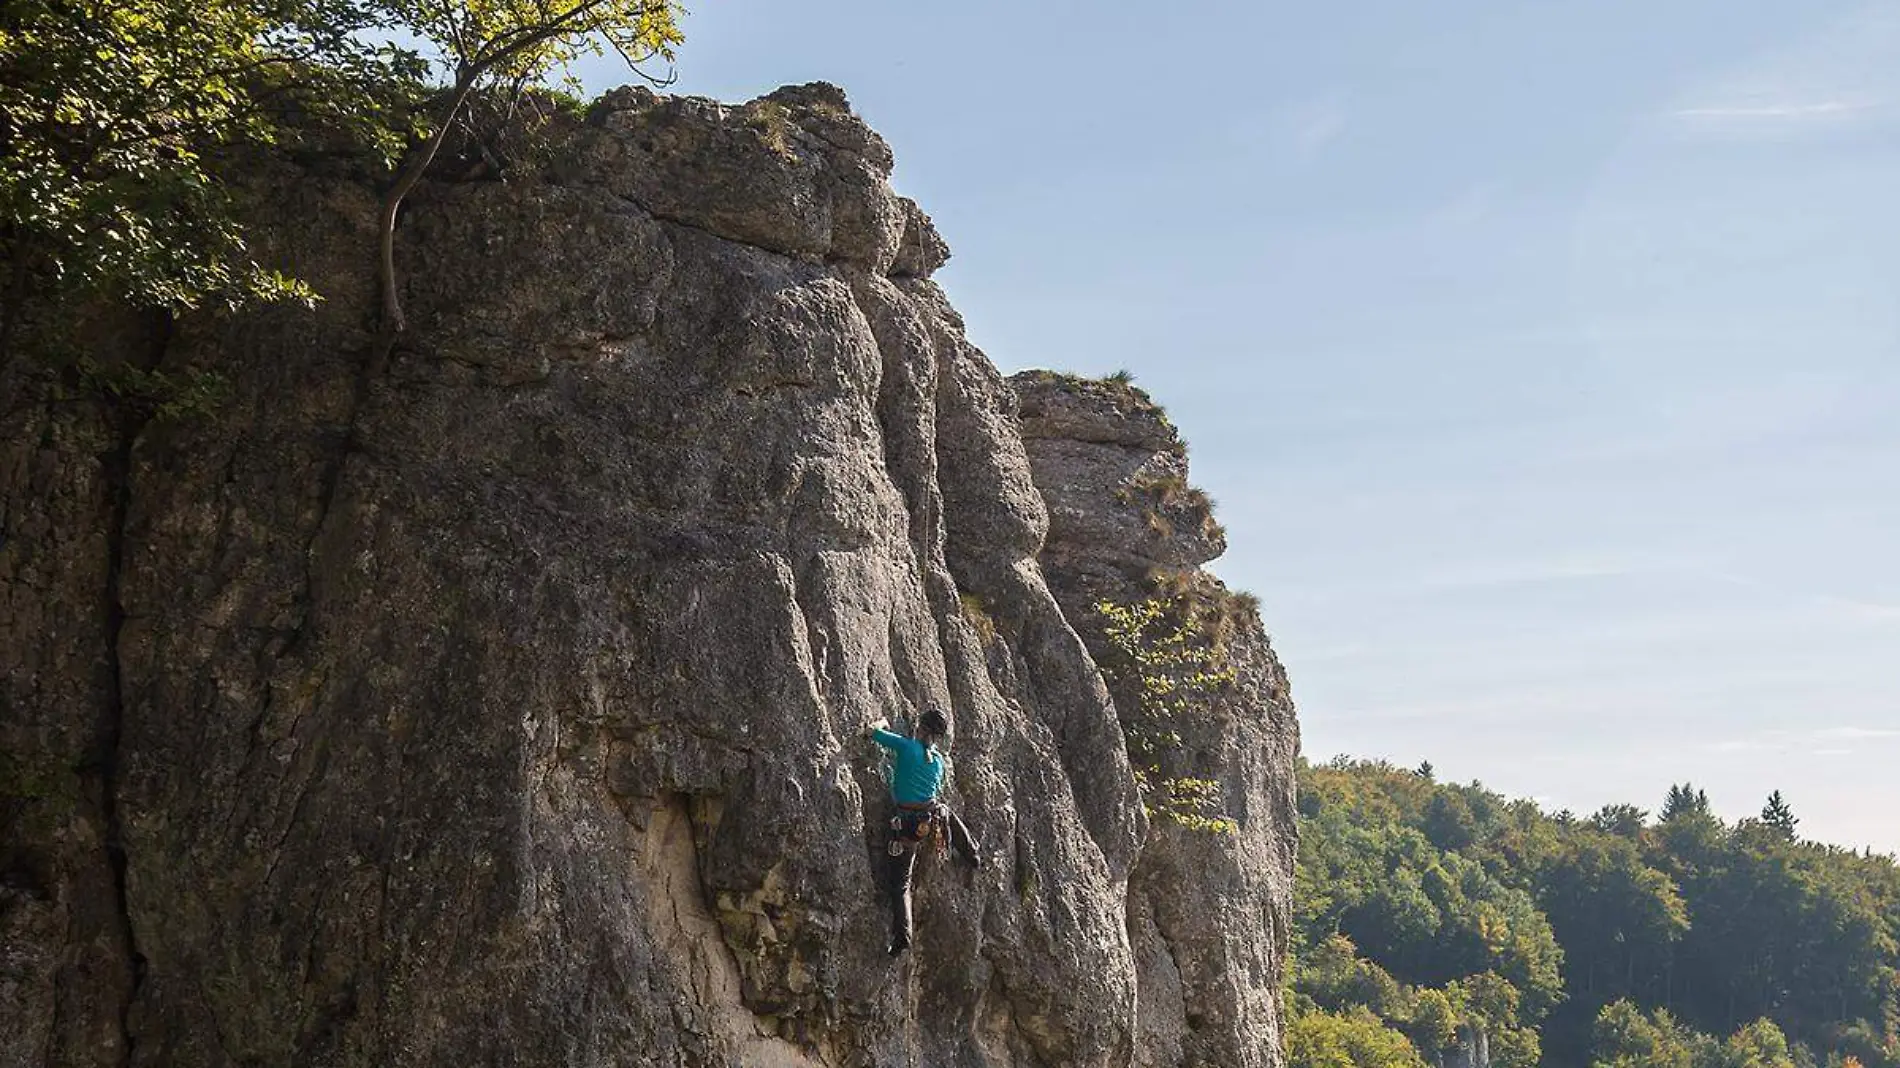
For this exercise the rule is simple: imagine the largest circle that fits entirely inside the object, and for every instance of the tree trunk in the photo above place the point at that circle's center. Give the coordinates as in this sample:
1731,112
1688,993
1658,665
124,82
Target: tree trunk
393,324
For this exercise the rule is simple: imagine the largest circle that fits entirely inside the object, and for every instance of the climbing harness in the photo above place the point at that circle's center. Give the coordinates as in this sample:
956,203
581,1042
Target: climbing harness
917,827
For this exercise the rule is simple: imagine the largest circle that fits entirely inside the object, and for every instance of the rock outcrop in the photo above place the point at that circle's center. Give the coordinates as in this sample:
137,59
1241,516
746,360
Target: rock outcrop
500,702
1208,913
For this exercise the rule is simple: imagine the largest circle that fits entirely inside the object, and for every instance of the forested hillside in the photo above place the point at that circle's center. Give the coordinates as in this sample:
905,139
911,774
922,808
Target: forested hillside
1444,924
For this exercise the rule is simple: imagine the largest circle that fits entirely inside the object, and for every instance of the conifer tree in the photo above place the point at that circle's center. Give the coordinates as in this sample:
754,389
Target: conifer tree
1684,800
1778,815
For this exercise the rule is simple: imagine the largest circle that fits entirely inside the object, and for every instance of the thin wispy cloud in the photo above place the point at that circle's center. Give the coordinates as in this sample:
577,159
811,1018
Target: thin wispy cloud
1514,710
1846,734
1565,567
1744,745
1330,653
1467,209
1840,72
1783,110
1862,611
1301,129
1826,741
1314,124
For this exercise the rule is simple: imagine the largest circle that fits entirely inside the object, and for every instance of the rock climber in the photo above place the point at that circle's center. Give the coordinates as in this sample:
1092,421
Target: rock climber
919,769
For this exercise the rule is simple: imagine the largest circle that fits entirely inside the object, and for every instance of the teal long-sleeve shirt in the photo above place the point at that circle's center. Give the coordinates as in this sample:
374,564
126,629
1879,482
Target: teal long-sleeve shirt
919,770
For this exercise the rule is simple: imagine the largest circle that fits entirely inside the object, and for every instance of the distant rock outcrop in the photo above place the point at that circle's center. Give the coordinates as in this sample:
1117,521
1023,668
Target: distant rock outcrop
501,704
1208,914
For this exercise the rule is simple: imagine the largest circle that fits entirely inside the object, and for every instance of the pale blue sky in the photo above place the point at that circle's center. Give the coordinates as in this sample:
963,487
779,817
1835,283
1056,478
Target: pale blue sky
1542,358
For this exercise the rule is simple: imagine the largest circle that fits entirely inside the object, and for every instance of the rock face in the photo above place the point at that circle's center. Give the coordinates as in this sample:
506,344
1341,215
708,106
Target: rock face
1208,913
501,702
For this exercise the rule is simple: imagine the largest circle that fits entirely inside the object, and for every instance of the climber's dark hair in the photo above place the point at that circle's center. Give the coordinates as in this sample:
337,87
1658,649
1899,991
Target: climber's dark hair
933,723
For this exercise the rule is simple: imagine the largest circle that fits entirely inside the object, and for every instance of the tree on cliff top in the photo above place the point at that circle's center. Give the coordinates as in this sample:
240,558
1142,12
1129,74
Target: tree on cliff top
117,116
113,114
511,44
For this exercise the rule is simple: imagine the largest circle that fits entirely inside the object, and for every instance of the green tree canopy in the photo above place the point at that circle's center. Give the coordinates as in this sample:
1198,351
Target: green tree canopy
117,116
1626,1037
1624,821
112,114
1685,801
1354,1039
1663,936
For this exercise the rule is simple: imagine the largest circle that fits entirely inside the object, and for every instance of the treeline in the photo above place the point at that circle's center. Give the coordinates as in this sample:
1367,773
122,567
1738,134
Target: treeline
1443,924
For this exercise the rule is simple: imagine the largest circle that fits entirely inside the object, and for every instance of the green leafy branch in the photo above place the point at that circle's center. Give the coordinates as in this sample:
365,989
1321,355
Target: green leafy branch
1164,668
164,396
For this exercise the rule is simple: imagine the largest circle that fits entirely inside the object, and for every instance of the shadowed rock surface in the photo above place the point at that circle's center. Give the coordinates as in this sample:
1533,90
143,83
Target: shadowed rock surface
502,704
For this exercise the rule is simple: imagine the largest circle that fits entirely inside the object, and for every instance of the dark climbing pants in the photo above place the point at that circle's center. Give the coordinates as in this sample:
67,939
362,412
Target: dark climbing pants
904,865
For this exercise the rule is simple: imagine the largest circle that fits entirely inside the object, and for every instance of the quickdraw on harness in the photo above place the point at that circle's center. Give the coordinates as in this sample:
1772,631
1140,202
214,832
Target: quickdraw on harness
916,827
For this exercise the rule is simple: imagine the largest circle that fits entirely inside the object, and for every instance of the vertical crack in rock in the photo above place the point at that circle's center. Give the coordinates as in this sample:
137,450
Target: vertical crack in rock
111,727
106,762
330,483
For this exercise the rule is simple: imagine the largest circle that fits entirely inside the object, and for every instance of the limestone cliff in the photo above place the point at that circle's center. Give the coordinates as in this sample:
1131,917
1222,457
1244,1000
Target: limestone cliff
499,703
1207,913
